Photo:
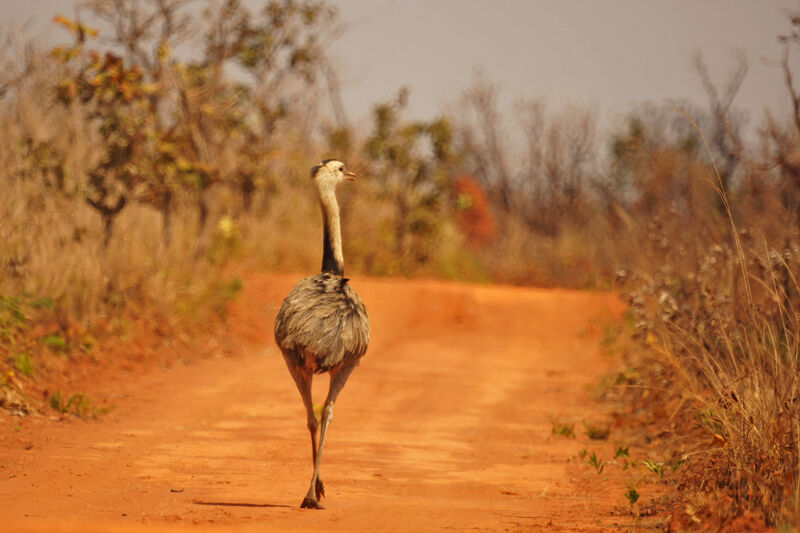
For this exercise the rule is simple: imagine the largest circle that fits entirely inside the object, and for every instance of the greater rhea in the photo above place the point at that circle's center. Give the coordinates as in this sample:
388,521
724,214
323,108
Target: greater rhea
322,325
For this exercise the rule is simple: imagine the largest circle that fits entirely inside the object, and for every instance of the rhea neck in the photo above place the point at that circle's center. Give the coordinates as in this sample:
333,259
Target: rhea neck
332,258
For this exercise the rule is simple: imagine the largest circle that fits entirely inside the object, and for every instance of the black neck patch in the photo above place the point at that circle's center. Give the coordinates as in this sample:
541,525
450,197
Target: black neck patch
329,262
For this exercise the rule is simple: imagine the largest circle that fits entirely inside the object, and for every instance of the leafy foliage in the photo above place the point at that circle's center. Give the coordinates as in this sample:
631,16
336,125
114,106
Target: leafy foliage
410,179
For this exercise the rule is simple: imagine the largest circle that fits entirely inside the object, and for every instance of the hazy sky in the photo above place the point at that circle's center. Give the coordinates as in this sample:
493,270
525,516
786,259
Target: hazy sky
611,53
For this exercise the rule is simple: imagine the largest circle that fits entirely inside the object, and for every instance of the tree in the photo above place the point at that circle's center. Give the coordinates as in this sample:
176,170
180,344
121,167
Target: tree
115,100
412,181
188,125
483,140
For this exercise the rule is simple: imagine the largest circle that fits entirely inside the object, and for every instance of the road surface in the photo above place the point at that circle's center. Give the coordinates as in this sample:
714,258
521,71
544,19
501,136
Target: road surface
446,425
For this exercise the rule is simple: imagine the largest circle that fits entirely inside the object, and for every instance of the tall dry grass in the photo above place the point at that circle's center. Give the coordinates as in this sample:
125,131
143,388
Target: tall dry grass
717,352
727,363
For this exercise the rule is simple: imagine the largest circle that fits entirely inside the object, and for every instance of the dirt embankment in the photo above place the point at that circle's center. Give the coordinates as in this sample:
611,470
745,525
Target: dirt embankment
445,425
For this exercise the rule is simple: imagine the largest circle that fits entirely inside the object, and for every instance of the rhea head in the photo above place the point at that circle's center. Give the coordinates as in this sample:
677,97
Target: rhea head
330,173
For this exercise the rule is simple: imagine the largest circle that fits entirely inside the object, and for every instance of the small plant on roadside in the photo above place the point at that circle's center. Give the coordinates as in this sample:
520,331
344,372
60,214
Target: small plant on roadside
81,404
619,451
596,463
13,321
56,401
564,430
78,404
632,495
55,342
656,468
24,363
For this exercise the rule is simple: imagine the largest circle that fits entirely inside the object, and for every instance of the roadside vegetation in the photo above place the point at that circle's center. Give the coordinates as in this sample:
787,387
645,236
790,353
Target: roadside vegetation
164,148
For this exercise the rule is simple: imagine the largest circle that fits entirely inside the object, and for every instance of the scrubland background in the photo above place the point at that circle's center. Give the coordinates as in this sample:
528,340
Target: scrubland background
160,152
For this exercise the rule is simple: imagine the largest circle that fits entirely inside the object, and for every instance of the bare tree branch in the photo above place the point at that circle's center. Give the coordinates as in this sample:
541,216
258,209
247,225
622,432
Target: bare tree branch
793,96
723,134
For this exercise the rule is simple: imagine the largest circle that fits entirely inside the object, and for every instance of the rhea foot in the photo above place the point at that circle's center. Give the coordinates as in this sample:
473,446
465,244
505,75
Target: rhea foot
319,489
311,503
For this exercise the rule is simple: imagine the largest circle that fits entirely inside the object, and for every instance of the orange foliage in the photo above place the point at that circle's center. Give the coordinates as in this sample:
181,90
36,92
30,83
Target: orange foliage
473,215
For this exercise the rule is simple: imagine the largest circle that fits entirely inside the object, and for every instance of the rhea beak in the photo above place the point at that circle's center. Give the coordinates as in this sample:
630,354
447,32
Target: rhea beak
349,176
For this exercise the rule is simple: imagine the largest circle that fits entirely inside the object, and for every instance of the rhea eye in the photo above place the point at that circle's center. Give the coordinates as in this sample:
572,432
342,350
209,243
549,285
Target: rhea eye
341,169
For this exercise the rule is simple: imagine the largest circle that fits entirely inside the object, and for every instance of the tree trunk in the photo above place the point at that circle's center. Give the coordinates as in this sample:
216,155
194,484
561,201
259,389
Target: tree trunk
166,217
108,214
248,187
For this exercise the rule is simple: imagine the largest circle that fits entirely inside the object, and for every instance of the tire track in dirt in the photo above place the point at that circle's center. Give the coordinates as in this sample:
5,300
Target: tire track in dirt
446,425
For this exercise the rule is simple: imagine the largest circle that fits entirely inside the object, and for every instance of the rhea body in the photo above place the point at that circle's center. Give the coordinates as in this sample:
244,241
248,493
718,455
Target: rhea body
322,325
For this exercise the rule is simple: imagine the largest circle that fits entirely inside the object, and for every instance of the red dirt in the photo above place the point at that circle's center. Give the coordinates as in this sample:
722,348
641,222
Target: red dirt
447,424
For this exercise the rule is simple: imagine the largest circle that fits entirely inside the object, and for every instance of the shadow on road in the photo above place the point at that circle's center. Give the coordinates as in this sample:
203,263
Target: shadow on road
240,504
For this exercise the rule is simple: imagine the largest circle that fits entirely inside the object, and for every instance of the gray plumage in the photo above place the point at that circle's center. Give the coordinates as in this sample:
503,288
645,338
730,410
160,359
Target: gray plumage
322,322
322,325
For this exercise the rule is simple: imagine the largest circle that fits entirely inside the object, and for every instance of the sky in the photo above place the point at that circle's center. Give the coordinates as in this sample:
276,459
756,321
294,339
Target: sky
611,54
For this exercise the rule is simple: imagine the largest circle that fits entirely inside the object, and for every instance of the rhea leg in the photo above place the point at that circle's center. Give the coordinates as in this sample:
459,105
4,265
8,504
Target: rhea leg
339,377
302,378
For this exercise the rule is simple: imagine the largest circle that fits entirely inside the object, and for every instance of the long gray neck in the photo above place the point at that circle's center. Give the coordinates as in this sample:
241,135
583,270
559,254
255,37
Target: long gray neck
332,258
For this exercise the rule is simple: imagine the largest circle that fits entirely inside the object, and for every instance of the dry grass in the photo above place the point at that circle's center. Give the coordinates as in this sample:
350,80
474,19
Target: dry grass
729,369
717,348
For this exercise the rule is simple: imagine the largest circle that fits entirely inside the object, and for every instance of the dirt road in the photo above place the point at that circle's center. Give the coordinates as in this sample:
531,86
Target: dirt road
446,425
